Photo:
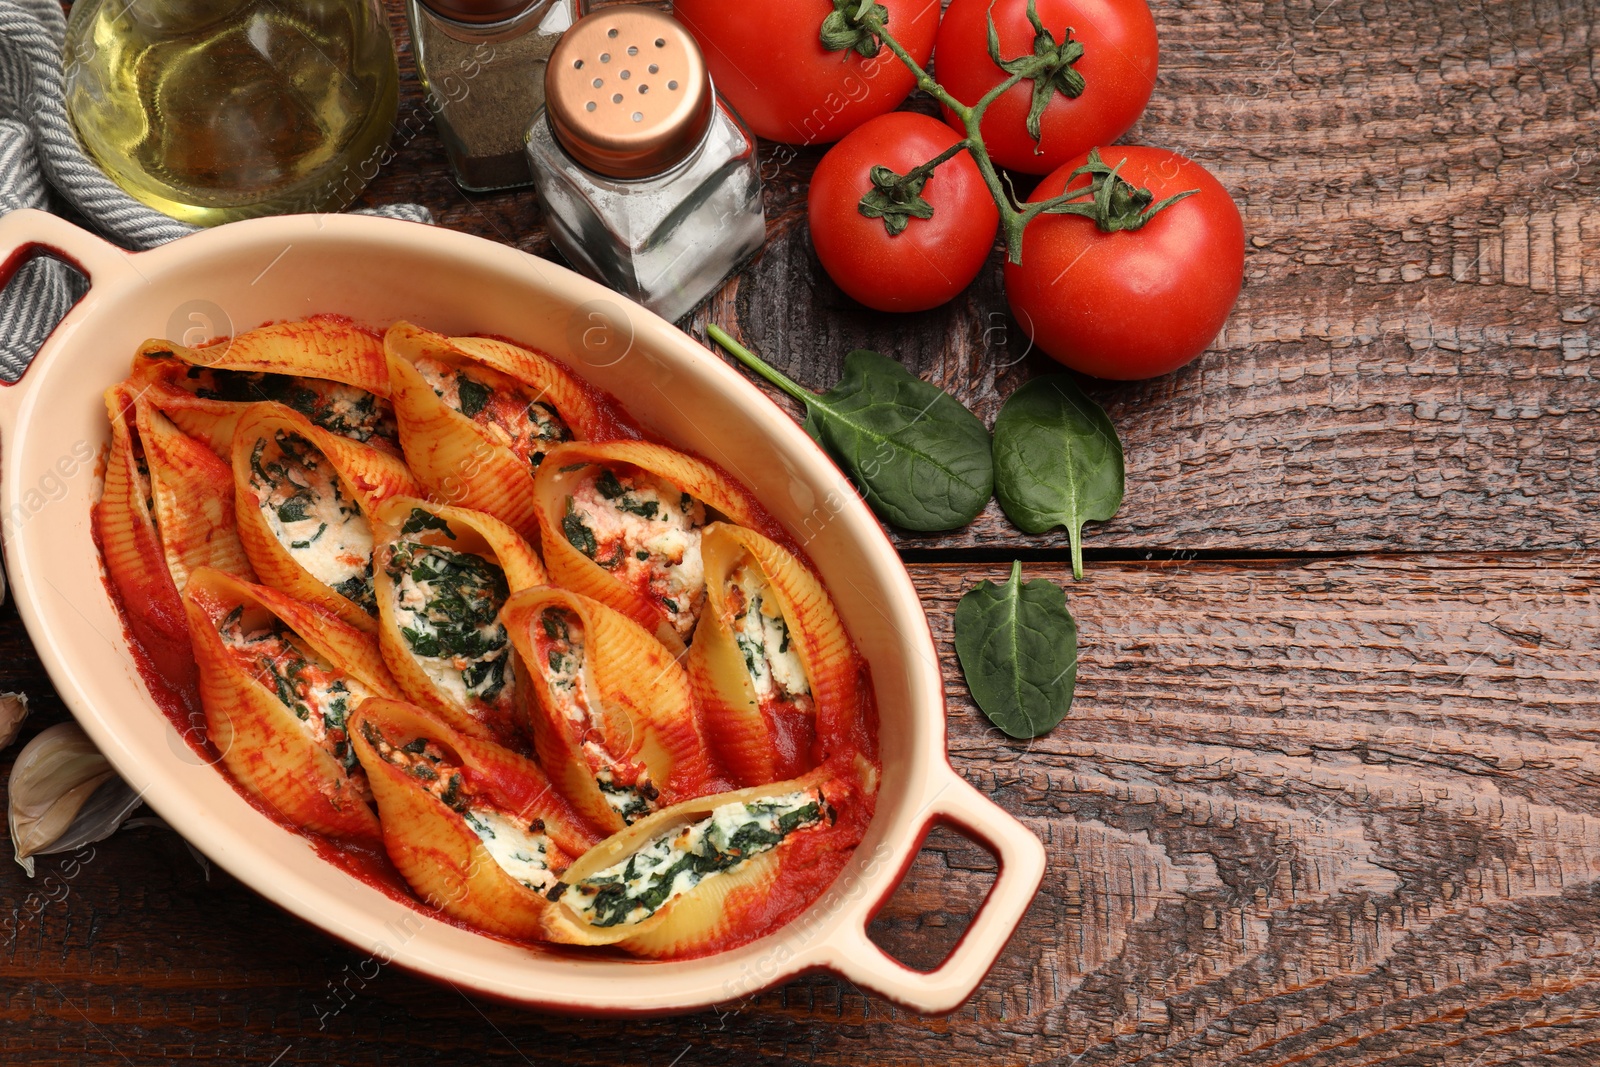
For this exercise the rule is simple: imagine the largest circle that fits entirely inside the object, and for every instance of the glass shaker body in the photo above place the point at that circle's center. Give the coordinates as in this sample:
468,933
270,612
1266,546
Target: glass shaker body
649,182
666,240
485,82
213,110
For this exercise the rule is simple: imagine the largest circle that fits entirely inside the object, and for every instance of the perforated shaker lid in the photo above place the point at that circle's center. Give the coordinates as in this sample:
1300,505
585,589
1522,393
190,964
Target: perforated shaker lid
627,92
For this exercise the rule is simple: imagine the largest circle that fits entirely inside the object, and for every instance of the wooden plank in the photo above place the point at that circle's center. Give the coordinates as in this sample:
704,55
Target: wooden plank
1338,811
1410,364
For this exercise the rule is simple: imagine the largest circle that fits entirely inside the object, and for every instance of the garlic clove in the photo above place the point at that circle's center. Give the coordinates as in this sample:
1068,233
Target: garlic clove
63,795
13,710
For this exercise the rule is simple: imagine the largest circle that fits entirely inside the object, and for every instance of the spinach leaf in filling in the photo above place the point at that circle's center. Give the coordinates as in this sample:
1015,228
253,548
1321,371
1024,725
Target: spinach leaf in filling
463,594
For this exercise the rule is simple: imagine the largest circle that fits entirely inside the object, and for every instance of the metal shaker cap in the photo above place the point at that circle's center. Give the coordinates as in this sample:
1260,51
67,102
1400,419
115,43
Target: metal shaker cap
478,11
627,92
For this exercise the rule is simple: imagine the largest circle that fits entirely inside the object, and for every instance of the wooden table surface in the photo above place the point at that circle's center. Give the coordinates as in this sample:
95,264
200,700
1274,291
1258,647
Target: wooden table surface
1330,791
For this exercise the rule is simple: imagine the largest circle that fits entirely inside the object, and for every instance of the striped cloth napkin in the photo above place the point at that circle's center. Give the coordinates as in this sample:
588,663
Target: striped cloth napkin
39,153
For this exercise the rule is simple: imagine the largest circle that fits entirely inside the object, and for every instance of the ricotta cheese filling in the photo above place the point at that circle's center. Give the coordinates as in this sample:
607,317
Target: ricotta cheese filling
762,634
646,532
518,847
320,695
446,605
306,508
518,850
336,407
671,865
625,784
503,407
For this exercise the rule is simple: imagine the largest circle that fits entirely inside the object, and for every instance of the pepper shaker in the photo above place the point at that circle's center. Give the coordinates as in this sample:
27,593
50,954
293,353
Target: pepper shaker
649,182
482,63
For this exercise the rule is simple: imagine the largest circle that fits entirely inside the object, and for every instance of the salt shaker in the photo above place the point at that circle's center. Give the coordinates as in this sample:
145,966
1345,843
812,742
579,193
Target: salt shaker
649,182
483,64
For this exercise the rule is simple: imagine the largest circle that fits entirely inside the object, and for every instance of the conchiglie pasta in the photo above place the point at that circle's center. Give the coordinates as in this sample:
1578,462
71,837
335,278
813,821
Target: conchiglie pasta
609,708
441,575
476,418
474,828
436,594
167,510
303,498
552,384
621,523
694,876
329,370
192,491
772,667
324,346
278,680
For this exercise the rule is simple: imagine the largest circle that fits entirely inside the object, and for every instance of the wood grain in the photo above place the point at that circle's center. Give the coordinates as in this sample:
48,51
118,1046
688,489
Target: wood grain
1338,810
1329,812
1410,364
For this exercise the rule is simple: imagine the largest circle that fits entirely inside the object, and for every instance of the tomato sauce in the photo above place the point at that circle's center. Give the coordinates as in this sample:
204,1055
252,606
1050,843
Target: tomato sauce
811,860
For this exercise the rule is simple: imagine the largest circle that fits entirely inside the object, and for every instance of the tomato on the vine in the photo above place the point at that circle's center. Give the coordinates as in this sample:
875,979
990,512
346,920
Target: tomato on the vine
767,59
931,259
1136,303
1118,69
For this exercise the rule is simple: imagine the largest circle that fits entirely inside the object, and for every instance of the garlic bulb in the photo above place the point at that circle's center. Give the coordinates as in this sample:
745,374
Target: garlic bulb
13,709
63,795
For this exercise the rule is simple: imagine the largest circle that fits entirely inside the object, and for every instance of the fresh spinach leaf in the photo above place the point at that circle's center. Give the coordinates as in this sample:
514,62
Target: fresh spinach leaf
1018,646
920,458
1057,461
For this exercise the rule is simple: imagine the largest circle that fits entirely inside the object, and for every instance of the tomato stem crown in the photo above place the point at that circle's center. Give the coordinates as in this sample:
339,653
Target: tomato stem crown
897,199
1050,68
847,27
1114,203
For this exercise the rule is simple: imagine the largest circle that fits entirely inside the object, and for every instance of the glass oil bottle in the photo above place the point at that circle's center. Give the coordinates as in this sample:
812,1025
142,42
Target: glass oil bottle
213,110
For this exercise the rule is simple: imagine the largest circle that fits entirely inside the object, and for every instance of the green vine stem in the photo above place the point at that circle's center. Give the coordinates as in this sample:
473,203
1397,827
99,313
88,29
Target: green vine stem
1110,201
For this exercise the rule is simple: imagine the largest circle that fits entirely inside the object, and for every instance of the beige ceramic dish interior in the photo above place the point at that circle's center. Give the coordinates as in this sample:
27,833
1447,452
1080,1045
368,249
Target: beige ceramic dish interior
376,271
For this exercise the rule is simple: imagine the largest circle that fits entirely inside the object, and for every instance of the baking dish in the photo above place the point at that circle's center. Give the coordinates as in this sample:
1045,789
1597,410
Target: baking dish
377,271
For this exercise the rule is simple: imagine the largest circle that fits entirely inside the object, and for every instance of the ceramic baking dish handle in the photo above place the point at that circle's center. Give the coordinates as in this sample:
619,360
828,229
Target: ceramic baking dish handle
1021,858
28,233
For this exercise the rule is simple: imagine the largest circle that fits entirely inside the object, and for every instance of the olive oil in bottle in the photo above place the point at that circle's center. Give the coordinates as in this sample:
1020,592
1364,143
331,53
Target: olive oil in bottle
214,110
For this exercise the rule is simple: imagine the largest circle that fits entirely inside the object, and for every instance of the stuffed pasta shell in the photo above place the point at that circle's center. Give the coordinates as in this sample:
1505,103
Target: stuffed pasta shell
708,873
438,594
303,497
474,828
772,666
621,523
167,510
609,707
441,575
278,681
477,417
327,369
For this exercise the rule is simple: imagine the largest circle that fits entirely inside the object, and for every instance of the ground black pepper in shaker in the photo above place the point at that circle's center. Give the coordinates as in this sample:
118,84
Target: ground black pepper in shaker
483,65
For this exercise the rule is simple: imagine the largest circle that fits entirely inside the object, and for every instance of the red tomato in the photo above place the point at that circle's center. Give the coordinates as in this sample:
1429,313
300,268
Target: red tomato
932,259
1118,68
1136,303
767,60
